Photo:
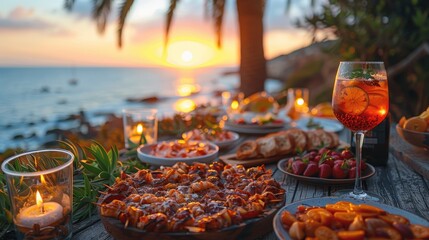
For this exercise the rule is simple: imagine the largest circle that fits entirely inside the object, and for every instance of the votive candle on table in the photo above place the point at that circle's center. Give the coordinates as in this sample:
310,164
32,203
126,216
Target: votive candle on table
41,193
140,126
299,107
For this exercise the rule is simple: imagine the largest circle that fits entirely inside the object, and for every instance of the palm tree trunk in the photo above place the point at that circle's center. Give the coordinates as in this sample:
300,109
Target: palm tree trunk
253,70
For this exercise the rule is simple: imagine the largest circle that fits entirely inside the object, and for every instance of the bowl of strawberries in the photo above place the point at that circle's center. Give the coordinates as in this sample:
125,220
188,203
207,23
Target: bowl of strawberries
326,166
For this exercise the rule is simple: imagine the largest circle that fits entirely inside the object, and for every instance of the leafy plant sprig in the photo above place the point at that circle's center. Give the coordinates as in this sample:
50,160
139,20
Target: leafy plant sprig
362,73
93,172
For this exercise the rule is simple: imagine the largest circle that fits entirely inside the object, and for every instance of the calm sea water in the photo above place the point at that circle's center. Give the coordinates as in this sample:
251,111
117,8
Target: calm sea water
34,100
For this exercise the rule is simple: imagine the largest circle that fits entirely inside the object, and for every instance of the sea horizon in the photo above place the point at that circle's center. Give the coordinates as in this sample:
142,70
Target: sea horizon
36,99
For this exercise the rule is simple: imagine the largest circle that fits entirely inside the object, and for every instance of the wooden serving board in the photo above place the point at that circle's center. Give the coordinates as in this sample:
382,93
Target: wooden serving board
232,159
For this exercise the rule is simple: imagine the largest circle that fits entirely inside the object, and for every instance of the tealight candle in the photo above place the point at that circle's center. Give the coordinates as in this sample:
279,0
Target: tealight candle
137,137
301,105
140,127
41,194
41,213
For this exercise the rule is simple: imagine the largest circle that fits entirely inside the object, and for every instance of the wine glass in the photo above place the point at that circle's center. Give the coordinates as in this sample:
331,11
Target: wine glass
360,101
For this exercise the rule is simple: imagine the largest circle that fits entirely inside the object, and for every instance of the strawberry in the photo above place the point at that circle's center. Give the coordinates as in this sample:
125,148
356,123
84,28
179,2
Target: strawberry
298,167
324,150
340,171
346,153
338,162
352,172
329,161
351,162
325,170
363,165
311,170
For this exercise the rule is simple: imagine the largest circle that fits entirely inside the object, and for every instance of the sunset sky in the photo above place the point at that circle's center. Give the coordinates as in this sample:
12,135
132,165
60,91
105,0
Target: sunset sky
43,33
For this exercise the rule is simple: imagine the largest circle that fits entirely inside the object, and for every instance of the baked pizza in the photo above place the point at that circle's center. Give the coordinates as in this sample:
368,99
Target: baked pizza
191,198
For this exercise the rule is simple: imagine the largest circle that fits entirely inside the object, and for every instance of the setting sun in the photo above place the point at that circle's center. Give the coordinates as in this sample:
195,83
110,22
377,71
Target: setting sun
187,56
179,54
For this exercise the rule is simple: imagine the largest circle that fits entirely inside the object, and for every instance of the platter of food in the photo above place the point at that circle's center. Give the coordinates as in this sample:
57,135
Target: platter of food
368,172
222,138
353,218
325,166
196,201
168,153
273,147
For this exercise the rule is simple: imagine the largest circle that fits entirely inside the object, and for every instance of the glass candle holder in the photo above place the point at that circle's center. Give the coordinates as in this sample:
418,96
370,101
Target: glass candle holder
140,127
297,102
40,186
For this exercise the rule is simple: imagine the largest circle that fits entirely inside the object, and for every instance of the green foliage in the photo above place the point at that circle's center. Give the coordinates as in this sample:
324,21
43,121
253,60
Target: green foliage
386,31
93,171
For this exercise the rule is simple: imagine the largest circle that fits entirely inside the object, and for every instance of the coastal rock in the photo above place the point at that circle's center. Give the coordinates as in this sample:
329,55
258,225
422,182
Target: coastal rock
151,99
18,137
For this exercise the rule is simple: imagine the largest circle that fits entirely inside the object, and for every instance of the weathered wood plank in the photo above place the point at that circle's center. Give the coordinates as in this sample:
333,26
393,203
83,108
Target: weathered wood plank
397,183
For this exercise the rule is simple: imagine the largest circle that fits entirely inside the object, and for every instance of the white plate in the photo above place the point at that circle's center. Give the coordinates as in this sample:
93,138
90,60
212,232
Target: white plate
283,234
329,125
143,153
229,142
255,129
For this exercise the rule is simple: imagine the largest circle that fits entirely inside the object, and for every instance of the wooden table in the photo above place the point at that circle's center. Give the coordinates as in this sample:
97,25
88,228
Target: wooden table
398,183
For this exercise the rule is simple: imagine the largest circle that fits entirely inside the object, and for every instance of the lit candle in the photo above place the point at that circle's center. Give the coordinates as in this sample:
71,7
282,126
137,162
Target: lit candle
234,105
301,105
42,213
138,136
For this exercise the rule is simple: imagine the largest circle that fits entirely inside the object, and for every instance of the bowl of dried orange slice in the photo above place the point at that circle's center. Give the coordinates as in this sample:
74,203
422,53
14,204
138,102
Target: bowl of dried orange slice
415,130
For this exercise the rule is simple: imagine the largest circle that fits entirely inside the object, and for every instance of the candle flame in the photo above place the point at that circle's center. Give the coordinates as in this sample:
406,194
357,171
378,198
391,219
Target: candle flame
42,179
139,128
39,200
300,101
234,105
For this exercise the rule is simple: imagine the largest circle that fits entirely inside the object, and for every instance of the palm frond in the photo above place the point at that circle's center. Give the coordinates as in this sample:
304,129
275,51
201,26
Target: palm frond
101,13
123,13
68,4
169,20
288,5
218,12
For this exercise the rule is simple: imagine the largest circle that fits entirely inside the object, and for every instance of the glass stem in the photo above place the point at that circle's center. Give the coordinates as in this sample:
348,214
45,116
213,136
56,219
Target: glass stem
359,136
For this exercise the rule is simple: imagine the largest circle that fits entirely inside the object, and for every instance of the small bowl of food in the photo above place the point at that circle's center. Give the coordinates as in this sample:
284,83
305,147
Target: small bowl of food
168,153
222,138
414,131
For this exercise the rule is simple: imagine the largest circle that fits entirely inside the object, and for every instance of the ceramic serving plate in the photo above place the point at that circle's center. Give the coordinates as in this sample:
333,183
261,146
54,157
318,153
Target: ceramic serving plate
144,154
367,173
228,143
283,234
255,128
329,125
249,229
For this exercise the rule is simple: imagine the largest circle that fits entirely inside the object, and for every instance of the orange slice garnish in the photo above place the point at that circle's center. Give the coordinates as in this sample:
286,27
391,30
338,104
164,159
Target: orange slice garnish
353,100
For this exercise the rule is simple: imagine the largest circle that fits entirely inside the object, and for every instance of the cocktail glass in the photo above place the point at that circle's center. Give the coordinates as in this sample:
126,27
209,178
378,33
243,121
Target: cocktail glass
360,101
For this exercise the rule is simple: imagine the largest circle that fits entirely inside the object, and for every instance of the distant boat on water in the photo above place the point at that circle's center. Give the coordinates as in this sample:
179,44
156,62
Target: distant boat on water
73,81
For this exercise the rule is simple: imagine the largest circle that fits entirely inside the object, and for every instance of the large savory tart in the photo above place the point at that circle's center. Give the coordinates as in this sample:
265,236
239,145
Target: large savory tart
191,198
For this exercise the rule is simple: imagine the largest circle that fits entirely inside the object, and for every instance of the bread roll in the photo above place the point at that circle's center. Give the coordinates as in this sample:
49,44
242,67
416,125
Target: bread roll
248,149
267,146
300,138
327,139
314,140
285,143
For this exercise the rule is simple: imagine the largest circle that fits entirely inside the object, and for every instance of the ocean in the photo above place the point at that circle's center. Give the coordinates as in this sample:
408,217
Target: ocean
35,100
